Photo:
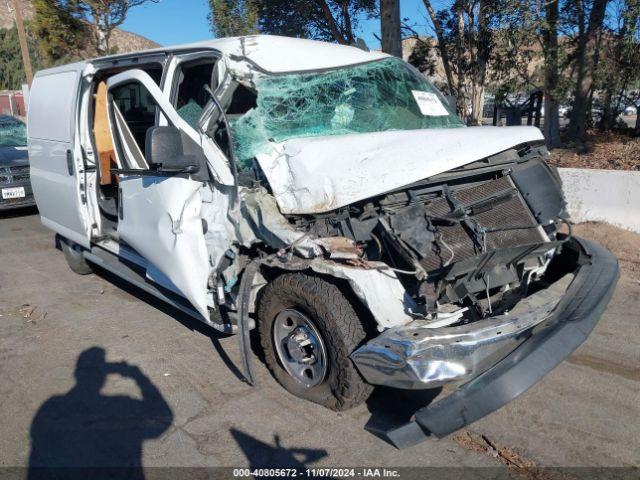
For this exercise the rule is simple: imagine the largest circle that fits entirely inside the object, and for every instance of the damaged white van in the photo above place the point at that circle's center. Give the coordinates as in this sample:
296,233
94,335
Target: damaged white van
330,198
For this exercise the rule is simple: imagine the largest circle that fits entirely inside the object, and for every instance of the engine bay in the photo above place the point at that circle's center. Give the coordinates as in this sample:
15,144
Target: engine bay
465,244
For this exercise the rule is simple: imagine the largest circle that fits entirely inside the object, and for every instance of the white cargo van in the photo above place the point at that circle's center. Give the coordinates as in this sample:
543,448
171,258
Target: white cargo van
330,198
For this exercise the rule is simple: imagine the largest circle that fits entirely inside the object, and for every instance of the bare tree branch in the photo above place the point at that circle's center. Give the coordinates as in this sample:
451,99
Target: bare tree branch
331,22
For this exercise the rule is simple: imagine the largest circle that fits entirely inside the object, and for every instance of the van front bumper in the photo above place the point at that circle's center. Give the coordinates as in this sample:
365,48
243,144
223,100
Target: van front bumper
498,360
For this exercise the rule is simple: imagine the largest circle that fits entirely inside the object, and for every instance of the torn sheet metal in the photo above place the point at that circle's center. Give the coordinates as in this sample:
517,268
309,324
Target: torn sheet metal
261,211
377,287
219,164
277,54
340,248
220,230
320,174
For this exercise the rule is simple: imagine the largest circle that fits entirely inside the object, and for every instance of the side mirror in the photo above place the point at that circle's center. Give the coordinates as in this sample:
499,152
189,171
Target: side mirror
164,151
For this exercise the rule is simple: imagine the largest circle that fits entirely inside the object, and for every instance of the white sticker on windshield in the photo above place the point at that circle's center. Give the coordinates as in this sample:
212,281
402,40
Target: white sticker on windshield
429,104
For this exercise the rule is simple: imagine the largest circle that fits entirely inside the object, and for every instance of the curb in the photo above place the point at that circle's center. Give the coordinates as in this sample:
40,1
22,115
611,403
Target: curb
611,196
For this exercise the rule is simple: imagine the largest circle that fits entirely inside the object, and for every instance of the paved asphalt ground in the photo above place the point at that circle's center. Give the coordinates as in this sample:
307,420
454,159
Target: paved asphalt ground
178,400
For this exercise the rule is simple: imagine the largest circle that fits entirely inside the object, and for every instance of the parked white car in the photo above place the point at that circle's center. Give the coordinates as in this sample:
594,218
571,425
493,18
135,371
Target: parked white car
330,198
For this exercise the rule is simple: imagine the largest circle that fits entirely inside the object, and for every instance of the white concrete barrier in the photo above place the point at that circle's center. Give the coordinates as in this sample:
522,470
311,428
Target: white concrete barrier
611,196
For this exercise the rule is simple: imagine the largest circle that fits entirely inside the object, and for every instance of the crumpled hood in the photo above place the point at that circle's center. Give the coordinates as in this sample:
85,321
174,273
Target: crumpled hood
320,174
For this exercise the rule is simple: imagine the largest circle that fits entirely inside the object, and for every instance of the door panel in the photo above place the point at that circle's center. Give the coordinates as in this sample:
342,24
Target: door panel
160,215
161,221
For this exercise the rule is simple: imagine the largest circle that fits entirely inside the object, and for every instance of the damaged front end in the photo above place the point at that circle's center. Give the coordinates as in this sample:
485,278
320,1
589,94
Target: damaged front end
454,241
581,280
466,245
476,273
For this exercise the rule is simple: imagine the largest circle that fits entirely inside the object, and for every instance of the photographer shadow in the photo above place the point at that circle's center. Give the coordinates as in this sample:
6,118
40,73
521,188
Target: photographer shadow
84,434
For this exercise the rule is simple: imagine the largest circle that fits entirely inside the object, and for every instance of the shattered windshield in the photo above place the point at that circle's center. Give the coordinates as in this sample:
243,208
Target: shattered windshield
372,97
13,132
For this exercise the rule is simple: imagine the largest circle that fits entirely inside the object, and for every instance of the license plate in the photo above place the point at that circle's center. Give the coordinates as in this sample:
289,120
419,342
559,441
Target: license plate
16,192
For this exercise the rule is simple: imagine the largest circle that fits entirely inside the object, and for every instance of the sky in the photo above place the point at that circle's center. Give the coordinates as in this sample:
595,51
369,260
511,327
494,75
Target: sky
172,22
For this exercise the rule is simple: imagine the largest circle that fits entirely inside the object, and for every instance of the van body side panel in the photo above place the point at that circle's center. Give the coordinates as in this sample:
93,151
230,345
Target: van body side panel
53,154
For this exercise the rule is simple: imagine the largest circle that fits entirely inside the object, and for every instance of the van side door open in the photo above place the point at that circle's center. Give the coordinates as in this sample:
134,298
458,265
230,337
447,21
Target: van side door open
160,190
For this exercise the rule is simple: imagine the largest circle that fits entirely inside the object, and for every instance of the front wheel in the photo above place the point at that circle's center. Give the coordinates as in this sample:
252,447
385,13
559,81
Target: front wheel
308,329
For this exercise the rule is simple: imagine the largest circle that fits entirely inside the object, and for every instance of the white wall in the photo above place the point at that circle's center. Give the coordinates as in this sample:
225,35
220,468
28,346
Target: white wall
611,196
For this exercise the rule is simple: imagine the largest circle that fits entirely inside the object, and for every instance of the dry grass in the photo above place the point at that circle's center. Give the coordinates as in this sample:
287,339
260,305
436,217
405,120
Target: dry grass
609,151
519,466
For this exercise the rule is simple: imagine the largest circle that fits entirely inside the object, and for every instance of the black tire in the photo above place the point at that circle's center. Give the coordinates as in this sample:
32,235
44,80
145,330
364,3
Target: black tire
74,257
339,326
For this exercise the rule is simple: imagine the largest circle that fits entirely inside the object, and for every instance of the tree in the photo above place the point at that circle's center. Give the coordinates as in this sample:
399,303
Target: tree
467,33
11,68
618,75
438,21
448,25
101,18
390,27
422,58
60,34
231,18
329,20
550,49
586,60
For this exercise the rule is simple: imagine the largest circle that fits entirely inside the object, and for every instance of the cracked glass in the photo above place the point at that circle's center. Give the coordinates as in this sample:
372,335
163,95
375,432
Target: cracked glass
13,133
373,97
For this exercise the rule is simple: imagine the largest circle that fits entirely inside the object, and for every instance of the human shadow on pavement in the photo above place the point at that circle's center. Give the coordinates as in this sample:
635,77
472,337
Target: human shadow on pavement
186,320
262,455
84,434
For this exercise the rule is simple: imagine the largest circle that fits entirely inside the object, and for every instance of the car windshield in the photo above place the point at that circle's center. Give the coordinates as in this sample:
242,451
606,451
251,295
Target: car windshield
13,132
373,97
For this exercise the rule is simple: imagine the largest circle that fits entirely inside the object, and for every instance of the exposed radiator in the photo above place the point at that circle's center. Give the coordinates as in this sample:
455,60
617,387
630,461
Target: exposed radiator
505,212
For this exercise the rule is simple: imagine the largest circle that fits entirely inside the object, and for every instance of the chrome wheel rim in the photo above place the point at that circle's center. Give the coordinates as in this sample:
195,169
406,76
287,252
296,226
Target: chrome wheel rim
300,348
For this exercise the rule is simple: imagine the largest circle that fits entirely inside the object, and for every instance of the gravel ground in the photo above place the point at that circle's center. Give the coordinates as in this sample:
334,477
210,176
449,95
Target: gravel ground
177,401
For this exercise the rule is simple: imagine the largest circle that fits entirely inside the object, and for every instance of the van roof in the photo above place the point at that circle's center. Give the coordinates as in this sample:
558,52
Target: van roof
276,54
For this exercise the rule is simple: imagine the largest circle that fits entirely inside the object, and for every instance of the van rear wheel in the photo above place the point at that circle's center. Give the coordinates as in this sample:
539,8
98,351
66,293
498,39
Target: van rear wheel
74,257
308,329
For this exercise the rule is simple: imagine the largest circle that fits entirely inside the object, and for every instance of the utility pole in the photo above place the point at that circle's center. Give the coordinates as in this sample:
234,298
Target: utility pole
22,37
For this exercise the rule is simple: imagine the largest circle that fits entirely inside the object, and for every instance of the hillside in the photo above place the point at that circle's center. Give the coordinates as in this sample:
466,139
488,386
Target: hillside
6,12
124,41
